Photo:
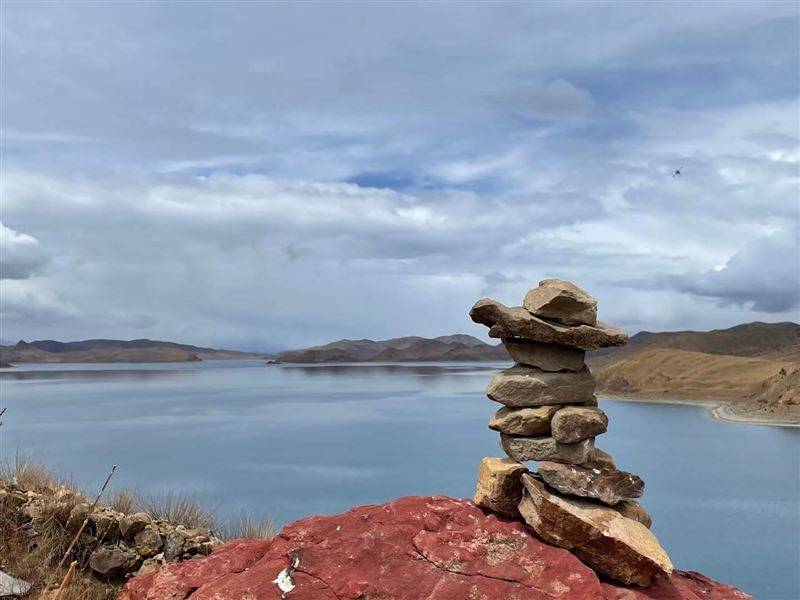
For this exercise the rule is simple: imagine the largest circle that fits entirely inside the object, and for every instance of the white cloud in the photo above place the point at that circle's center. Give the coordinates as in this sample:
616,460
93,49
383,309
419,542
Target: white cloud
302,178
32,299
21,255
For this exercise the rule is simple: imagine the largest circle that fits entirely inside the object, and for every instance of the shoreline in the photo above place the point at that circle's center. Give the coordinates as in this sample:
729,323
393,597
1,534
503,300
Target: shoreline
719,409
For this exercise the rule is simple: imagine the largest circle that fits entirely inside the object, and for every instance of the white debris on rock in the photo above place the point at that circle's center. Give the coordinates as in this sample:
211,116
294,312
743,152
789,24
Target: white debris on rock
11,586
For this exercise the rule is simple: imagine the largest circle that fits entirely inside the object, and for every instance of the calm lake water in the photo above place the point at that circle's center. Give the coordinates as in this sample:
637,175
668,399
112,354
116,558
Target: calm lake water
289,441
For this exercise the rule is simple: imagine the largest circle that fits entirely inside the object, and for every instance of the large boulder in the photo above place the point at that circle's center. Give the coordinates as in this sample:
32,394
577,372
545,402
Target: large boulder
523,421
607,485
546,448
516,322
563,301
575,423
499,485
420,547
528,386
619,547
548,357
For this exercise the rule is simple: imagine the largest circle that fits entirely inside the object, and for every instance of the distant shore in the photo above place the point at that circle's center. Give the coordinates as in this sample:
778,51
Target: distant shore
720,409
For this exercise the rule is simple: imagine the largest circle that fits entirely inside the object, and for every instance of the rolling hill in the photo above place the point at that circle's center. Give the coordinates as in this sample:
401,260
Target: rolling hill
757,340
412,348
102,350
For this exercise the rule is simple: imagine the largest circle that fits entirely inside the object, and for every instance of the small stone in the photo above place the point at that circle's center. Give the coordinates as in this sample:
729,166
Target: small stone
563,301
622,548
523,421
575,423
173,546
206,548
608,486
516,322
499,485
77,516
130,525
548,357
528,386
601,460
113,561
148,542
546,448
151,565
633,510
106,525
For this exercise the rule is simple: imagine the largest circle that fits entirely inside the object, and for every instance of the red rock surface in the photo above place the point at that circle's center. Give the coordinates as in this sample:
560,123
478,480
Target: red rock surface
414,548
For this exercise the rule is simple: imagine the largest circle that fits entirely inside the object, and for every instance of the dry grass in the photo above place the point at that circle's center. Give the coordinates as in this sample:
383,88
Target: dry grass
179,509
29,475
34,559
124,501
247,527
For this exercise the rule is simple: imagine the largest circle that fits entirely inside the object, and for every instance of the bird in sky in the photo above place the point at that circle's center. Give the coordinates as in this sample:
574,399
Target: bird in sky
677,172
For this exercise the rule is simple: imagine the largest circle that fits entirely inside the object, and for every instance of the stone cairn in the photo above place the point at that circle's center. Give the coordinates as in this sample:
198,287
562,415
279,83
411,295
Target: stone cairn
577,499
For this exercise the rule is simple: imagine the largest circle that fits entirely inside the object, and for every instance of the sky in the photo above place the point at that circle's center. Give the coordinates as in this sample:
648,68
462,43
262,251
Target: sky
274,175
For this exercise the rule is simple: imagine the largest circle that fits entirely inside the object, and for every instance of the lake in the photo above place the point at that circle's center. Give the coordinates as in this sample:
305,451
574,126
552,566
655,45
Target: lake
289,441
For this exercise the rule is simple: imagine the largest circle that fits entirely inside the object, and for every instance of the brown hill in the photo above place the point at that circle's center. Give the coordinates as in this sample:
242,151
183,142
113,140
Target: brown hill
754,388
111,355
760,340
412,348
669,372
104,351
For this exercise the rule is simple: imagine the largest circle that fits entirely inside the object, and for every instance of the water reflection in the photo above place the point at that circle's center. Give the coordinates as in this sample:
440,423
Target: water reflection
91,375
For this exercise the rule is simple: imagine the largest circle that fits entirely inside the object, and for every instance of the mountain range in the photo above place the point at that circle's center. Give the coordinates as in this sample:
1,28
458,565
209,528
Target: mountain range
757,365
102,350
411,348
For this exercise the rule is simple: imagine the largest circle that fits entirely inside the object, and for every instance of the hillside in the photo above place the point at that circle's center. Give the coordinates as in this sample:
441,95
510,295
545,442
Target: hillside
753,386
102,350
758,340
413,348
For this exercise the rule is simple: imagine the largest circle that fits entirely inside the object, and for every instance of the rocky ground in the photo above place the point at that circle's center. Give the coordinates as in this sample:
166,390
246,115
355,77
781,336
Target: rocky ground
417,547
40,518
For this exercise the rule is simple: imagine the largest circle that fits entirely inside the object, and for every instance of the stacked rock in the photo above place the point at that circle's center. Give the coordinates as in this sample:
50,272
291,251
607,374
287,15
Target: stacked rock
577,499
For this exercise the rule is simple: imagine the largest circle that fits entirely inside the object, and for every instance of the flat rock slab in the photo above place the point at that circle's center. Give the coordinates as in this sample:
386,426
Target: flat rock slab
500,485
563,301
548,357
523,421
683,585
633,510
528,386
516,322
575,423
546,448
610,543
421,547
607,485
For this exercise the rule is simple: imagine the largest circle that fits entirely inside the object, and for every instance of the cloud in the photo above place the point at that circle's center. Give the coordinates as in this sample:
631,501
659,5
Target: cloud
288,175
25,300
557,99
765,274
20,254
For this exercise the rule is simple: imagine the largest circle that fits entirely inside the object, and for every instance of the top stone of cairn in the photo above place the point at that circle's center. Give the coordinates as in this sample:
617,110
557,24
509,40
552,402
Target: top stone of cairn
561,301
